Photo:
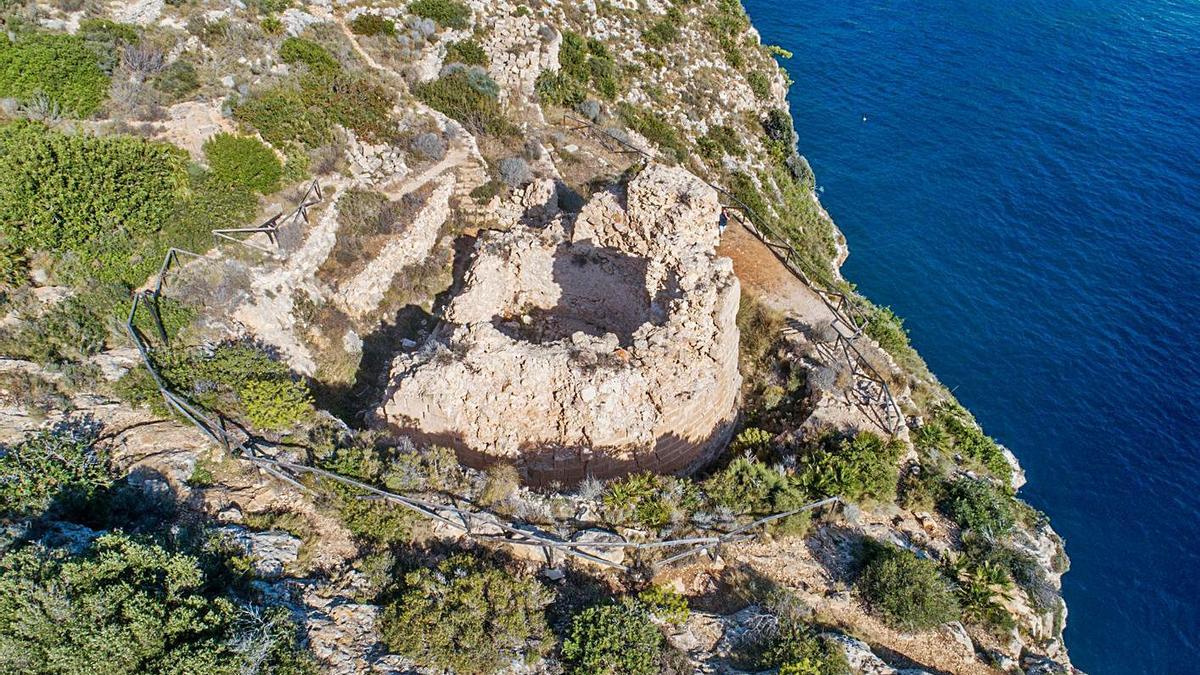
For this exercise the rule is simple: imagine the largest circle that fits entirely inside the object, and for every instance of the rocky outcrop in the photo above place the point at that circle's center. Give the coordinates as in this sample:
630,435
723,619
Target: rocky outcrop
597,347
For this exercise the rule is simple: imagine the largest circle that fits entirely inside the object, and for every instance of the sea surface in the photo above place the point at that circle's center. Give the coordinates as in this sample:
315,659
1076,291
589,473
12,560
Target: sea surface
1020,179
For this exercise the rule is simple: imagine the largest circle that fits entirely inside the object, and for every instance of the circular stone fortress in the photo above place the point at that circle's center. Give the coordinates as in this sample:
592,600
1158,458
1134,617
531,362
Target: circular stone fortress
591,344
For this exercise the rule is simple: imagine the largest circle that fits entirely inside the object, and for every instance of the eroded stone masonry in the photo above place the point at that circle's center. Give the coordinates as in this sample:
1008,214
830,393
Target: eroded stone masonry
593,343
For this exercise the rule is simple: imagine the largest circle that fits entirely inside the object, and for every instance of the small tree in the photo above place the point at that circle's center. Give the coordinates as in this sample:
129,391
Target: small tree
908,592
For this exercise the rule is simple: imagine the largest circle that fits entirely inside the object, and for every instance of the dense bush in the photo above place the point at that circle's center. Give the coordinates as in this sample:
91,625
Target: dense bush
60,67
614,639
467,616
666,604
859,468
372,24
448,13
61,467
296,50
797,649
907,592
467,52
980,506
84,196
243,161
748,486
127,606
469,96
583,63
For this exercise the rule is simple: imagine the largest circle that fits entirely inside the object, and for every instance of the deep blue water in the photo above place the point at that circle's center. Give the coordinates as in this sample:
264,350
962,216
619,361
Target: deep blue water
1025,190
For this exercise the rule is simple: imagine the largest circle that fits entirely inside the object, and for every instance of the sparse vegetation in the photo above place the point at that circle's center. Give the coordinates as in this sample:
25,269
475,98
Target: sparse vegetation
585,65
295,50
655,128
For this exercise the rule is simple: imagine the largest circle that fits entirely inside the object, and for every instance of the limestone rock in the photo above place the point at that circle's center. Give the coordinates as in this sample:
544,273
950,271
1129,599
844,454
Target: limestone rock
271,551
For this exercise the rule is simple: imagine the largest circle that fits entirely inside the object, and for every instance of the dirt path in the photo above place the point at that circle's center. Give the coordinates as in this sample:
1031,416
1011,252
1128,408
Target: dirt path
766,278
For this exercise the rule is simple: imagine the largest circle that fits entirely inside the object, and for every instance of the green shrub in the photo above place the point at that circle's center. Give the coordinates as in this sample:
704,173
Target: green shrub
467,52
797,649
793,214
283,115
907,592
295,50
760,84
448,13
859,468
276,404
106,39
750,487
583,64
372,521
639,496
468,96
61,67
888,330
466,616
62,466
980,506
666,604
125,606
372,24
178,80
271,25
615,639
84,196
237,379
243,161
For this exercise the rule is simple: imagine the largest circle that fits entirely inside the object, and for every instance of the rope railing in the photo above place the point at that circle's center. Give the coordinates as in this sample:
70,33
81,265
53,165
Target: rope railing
243,445
848,321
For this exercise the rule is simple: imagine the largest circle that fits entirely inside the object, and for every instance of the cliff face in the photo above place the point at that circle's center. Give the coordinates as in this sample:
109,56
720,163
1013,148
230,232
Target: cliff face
575,237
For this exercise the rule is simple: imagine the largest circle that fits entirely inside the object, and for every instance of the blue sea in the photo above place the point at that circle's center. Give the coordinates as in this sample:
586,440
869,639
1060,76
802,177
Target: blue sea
1020,179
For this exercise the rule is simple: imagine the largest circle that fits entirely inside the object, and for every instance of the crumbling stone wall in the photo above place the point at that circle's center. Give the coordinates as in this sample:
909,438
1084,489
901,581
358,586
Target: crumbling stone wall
595,345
